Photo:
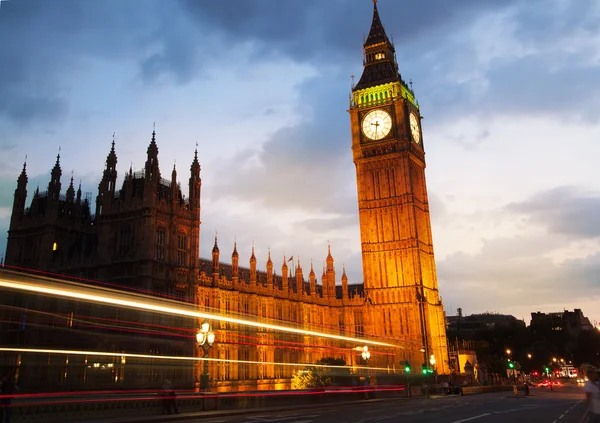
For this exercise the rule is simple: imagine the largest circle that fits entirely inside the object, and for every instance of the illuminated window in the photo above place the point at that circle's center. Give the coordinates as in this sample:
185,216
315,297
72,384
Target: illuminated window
54,247
159,253
379,56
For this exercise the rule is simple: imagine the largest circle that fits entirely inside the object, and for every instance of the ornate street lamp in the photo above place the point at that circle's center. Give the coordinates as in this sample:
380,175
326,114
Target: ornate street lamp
366,355
205,339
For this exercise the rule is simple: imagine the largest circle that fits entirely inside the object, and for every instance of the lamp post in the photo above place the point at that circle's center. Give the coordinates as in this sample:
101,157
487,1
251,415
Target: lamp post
205,339
366,355
432,362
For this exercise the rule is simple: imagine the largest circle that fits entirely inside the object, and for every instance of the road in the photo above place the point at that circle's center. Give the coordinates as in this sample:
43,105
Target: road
563,405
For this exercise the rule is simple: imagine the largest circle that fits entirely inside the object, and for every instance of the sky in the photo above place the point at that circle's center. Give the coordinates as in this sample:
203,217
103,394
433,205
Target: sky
509,91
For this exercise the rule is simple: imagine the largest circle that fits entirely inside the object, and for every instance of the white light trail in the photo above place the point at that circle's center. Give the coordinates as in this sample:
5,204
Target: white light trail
143,302
176,357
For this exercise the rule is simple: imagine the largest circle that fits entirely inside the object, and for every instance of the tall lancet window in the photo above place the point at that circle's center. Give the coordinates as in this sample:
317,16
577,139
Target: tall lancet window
159,253
181,250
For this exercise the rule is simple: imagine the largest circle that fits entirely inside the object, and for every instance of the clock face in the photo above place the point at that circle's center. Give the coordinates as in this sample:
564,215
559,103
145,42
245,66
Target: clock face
377,124
414,128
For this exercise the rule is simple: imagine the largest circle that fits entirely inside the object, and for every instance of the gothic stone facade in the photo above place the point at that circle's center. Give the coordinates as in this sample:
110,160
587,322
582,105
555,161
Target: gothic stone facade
146,236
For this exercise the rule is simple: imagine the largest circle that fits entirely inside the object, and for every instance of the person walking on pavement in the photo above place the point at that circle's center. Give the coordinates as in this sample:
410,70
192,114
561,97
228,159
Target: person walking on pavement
592,395
169,401
8,388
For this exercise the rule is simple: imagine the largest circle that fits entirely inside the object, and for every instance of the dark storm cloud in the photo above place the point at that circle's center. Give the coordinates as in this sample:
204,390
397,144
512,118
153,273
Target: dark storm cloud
565,210
46,42
542,62
310,29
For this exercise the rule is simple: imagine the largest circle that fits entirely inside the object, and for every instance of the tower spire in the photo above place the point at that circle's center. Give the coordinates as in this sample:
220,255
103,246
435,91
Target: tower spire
377,33
379,56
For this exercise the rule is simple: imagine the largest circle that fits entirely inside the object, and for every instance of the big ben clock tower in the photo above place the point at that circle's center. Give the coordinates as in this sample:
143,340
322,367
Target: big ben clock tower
395,227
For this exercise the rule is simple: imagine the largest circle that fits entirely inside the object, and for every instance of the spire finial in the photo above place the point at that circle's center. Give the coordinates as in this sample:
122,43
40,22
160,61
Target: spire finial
113,142
411,84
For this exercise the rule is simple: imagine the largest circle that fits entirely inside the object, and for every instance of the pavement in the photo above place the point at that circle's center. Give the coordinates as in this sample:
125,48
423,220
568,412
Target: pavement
563,405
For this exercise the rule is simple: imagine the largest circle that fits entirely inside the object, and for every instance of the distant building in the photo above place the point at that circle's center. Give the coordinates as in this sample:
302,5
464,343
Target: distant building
476,322
572,322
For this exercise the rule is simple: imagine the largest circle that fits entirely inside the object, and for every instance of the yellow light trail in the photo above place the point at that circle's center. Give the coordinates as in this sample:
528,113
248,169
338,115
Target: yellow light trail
116,298
178,358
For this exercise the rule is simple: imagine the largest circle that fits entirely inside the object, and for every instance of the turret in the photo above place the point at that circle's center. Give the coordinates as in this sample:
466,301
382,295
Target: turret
344,285
71,192
324,282
195,184
54,185
299,279
313,280
284,276
269,271
78,199
174,188
235,257
330,274
215,262
20,192
107,186
253,279
151,170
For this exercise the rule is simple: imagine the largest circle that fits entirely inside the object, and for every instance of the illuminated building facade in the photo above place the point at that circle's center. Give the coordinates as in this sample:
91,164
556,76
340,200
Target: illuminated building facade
146,236
395,225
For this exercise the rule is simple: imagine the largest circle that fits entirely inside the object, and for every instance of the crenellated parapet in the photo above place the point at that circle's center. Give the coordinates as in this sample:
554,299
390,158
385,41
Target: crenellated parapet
289,284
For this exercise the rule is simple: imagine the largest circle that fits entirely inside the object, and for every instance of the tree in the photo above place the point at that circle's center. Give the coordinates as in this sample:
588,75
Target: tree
322,375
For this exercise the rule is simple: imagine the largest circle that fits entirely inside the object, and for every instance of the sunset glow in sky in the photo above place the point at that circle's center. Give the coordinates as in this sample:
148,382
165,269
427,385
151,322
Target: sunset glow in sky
509,91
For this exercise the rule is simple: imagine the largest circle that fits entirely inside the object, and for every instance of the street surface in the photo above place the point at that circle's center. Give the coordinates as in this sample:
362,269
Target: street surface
563,405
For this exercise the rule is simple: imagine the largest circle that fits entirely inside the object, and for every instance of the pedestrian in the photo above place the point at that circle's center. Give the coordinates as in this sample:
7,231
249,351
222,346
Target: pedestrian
8,388
592,395
169,400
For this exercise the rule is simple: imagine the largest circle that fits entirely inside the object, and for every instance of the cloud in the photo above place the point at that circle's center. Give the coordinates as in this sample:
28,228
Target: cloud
526,269
518,59
564,210
51,42
325,31
306,165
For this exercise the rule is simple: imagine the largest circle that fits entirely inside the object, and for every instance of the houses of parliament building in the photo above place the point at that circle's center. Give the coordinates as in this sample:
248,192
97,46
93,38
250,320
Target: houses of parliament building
144,237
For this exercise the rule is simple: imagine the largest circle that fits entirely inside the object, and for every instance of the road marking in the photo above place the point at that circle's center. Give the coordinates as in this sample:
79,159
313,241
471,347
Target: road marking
280,418
471,418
